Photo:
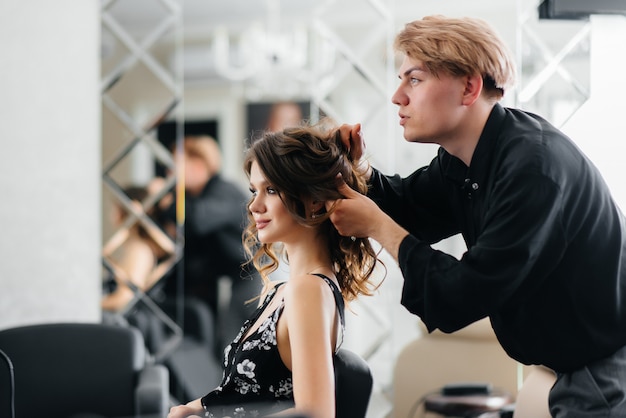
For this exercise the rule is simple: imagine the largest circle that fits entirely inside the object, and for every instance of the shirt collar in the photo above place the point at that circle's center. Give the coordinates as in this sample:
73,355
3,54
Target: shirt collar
474,175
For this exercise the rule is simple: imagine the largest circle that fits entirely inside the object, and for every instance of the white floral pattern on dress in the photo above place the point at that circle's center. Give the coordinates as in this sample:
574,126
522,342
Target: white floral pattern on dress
246,367
244,387
267,339
285,387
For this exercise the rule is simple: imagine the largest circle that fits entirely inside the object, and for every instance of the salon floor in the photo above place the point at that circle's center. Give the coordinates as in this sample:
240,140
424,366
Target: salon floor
378,328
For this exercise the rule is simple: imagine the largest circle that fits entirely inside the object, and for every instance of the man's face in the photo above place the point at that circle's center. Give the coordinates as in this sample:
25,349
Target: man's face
430,107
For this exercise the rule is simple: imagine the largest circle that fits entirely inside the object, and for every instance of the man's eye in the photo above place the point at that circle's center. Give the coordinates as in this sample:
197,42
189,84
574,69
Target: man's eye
413,80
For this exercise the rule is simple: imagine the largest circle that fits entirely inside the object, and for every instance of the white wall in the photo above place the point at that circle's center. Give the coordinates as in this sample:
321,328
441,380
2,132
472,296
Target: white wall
599,127
50,162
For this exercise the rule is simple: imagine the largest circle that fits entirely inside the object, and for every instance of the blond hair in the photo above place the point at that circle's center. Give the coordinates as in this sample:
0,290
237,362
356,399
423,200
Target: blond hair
459,47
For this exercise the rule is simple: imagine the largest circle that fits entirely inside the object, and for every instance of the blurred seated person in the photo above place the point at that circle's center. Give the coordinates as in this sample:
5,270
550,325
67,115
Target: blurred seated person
215,211
137,255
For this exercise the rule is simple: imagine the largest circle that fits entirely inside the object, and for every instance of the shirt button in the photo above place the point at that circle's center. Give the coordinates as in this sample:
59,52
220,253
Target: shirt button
474,186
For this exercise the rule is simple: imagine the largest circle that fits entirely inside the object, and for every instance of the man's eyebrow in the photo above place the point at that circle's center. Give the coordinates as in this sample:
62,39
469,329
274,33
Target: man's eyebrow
410,70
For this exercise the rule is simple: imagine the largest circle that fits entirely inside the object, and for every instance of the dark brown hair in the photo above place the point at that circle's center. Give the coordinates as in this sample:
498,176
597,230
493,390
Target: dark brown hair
302,163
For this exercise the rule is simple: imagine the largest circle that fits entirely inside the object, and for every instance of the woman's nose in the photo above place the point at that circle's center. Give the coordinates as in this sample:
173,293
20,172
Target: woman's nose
255,205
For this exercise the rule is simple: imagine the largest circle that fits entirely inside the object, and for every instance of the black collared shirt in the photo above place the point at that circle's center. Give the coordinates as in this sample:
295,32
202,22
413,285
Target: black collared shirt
546,258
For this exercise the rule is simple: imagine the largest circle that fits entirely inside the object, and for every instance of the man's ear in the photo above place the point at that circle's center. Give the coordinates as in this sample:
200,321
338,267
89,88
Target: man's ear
473,89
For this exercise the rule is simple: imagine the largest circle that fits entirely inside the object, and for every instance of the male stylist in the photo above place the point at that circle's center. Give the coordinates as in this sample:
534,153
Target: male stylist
546,258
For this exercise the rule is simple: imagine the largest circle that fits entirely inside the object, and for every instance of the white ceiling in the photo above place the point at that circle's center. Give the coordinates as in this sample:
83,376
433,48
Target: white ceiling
201,19
202,16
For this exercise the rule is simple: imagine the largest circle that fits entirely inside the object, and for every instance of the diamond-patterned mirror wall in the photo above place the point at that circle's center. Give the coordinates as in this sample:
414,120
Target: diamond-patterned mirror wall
131,58
554,59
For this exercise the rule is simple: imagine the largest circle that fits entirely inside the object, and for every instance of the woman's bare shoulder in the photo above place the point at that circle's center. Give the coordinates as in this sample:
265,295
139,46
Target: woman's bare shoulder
307,287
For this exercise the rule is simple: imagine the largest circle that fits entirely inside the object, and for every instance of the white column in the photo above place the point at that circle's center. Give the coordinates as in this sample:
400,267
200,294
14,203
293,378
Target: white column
50,187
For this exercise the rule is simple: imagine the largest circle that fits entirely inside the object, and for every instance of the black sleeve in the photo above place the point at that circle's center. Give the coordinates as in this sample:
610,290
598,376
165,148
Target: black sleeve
521,243
419,203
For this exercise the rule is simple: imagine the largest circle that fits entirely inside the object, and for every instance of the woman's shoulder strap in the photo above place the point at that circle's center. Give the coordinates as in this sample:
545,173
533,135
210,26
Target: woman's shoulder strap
269,295
338,297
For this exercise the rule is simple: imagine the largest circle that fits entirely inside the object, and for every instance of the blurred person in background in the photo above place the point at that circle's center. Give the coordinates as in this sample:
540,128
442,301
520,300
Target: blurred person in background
213,253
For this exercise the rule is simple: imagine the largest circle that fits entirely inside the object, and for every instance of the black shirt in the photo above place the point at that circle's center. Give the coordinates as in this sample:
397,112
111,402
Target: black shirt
546,258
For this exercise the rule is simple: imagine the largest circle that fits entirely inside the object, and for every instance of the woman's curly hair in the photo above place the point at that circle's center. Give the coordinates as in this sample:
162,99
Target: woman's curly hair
302,164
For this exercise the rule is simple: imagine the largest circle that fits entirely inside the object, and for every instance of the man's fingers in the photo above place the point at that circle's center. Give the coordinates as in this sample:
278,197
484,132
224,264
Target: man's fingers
346,191
345,132
355,133
350,135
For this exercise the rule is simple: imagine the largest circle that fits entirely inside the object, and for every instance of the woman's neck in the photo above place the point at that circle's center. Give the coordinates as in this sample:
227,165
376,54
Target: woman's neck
309,256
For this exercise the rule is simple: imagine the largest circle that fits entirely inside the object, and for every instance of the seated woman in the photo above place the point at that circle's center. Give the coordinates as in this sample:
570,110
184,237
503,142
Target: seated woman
282,360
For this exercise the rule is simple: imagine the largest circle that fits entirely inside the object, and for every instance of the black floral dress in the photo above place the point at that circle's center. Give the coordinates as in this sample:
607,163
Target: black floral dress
256,382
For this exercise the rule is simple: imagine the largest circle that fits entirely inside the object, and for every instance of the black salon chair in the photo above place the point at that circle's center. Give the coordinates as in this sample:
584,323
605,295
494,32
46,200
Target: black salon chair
82,369
353,384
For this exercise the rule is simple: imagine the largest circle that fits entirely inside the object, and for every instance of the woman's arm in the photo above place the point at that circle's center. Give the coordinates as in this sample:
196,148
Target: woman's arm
306,341
134,266
188,410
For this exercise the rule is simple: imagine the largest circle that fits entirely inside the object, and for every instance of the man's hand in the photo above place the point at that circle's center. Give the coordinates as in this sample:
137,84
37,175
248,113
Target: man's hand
352,214
358,216
352,139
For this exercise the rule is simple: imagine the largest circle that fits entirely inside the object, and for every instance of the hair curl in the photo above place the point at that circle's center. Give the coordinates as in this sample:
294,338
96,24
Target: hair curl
302,164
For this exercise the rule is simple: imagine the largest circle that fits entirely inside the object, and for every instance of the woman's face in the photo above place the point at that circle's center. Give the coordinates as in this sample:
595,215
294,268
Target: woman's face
273,221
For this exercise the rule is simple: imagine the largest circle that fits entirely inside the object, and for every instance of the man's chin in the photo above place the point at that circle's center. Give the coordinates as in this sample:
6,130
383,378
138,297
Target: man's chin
418,139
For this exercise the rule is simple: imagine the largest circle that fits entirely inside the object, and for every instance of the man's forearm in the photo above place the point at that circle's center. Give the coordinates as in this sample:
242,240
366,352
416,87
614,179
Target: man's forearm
389,234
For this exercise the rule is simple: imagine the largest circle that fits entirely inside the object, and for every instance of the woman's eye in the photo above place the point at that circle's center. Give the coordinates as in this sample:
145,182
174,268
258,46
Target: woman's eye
253,192
271,190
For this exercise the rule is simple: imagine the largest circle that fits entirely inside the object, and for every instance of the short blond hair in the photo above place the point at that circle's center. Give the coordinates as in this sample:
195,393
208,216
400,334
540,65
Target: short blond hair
459,47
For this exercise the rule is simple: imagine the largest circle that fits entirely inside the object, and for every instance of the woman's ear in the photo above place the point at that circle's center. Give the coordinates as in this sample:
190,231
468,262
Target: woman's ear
316,208
317,205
